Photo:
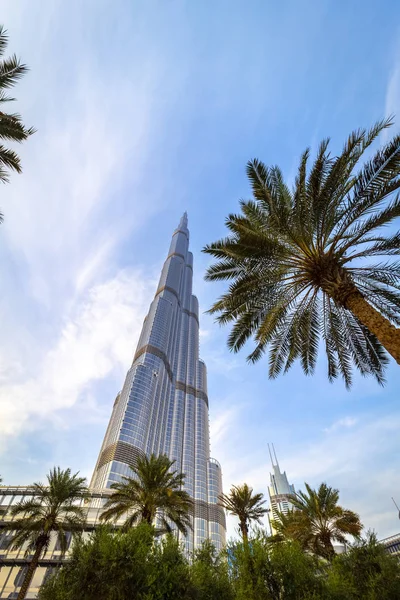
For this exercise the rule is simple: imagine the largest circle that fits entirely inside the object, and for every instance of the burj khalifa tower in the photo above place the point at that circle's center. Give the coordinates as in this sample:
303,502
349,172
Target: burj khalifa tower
163,405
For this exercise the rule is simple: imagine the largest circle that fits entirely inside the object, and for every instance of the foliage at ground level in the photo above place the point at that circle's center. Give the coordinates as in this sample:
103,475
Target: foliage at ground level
134,565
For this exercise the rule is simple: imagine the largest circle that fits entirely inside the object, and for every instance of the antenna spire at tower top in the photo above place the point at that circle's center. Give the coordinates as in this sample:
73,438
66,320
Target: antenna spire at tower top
270,455
276,460
184,220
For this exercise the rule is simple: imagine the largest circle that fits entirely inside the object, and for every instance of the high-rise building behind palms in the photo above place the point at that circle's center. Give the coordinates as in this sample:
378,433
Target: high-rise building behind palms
163,405
279,490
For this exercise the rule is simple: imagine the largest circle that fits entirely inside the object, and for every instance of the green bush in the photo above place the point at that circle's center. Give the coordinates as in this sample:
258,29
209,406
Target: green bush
367,571
137,566
275,571
108,566
210,576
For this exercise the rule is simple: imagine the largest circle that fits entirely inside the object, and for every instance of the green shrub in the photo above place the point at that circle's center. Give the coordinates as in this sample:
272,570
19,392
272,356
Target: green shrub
367,571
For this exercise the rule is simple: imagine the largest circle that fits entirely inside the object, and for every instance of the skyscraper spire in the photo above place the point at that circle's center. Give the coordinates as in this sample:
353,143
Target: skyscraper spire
279,490
163,405
183,223
270,454
276,460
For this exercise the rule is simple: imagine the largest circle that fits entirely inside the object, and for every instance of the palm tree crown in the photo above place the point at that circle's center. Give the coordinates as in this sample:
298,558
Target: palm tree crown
245,505
11,125
52,508
296,259
316,520
154,490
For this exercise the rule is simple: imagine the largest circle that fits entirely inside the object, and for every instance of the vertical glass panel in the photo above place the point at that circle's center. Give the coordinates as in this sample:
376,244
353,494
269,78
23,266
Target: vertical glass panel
4,575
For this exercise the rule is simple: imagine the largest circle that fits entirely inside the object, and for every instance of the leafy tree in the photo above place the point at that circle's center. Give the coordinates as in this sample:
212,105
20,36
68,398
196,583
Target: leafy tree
315,262
107,566
317,520
52,508
120,565
246,506
278,571
172,579
11,125
367,571
210,574
154,490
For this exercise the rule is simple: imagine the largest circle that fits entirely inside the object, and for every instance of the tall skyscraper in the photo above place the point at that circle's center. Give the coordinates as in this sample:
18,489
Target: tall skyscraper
279,490
163,405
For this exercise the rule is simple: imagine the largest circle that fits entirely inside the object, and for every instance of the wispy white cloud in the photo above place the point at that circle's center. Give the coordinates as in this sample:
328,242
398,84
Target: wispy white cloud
222,362
222,422
95,341
58,214
346,422
69,320
204,333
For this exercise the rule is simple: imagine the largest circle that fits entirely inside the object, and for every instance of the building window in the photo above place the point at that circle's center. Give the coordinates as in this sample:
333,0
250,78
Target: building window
49,572
18,581
5,539
57,547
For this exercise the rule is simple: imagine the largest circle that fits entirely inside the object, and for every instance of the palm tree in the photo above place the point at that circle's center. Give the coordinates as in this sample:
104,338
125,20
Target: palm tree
11,125
297,261
154,490
317,520
52,508
247,507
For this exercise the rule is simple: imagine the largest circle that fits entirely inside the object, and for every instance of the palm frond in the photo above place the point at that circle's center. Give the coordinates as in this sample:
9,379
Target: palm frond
242,503
10,159
12,128
3,40
51,509
290,260
11,125
375,221
154,489
4,98
316,520
11,70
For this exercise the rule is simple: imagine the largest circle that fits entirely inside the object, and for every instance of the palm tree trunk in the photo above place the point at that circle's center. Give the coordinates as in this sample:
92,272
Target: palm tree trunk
387,334
245,532
329,550
147,516
30,572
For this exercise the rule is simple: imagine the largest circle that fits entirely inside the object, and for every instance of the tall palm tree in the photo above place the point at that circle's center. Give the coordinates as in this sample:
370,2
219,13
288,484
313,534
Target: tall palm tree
301,261
243,504
154,490
317,520
52,508
11,125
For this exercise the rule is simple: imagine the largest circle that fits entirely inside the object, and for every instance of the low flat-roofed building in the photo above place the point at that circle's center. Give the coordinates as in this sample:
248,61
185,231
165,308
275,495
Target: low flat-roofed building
392,544
13,563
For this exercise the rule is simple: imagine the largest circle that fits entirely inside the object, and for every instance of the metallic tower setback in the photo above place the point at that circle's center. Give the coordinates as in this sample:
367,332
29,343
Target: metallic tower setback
163,405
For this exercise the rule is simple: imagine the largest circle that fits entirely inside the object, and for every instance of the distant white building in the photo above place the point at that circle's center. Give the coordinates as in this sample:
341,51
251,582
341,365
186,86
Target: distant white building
392,544
279,490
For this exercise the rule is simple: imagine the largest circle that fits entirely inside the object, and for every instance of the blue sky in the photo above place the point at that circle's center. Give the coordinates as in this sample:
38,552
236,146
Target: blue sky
144,110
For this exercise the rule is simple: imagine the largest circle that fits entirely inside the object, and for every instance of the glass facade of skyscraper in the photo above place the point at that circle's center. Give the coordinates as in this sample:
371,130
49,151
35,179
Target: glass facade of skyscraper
163,405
